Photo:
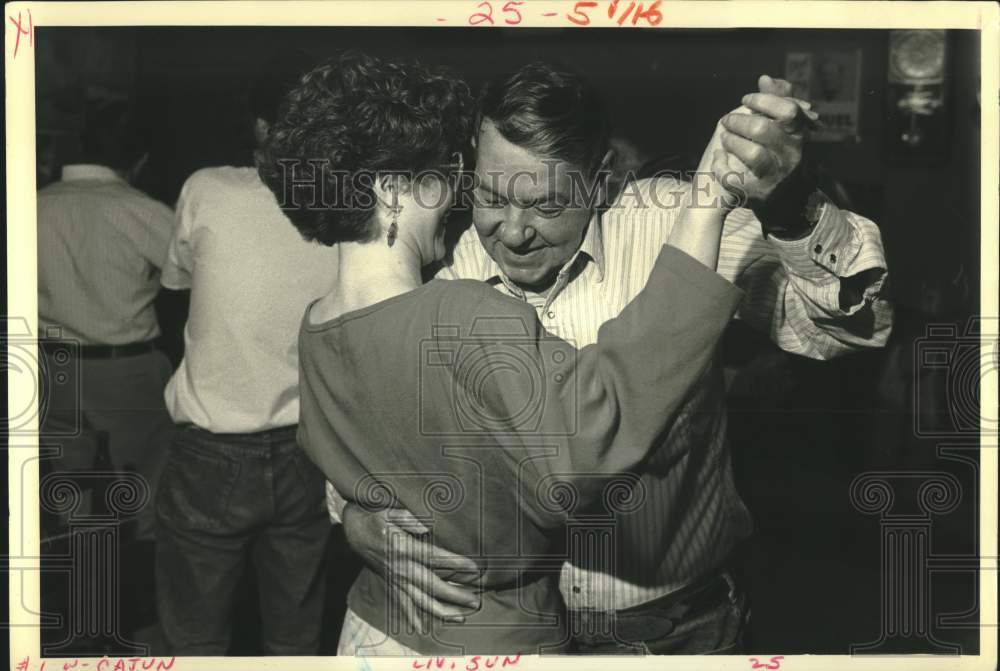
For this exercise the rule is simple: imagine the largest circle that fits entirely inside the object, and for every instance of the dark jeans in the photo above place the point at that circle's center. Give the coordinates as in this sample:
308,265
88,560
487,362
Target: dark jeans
122,398
700,625
227,501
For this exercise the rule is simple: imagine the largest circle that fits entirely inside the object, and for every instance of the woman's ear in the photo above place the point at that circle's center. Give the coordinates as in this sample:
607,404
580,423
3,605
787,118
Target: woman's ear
389,188
384,188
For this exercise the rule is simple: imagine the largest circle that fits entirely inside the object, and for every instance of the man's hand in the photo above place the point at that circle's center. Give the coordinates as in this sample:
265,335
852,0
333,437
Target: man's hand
730,174
424,579
768,141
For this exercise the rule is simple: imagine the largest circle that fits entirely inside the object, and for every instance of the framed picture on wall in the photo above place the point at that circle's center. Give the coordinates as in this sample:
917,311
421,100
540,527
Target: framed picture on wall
831,80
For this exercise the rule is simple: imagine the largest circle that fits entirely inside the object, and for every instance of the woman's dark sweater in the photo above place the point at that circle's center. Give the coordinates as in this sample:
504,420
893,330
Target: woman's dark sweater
453,402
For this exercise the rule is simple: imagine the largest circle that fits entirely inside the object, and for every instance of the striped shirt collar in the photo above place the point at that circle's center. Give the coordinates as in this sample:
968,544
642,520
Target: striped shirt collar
593,245
81,171
591,248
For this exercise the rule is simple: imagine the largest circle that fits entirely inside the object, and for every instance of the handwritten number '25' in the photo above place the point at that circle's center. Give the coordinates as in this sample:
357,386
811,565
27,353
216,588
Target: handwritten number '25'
774,664
510,9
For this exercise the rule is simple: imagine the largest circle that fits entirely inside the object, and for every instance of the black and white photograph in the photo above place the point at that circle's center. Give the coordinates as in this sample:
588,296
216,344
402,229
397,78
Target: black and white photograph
493,331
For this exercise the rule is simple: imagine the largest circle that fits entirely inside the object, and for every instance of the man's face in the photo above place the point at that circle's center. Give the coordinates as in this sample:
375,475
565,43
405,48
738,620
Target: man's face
523,209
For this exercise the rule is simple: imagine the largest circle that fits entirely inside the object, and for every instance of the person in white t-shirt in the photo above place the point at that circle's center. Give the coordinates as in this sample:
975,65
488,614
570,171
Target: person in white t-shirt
238,492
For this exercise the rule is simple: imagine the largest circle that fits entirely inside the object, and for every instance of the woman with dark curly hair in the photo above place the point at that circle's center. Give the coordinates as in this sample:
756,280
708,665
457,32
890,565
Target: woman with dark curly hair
448,398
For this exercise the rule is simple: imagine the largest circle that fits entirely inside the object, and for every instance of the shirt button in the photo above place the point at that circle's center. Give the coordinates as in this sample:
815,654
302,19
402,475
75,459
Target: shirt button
551,314
818,249
576,590
833,258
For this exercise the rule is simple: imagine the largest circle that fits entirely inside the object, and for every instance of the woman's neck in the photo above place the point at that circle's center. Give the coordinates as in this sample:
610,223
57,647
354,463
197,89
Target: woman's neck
368,273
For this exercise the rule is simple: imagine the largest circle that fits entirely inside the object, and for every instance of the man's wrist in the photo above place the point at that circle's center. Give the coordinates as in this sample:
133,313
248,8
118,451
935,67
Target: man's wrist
792,211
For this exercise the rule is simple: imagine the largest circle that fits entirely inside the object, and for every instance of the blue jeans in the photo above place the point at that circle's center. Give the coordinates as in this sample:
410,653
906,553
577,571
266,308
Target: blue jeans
713,628
226,502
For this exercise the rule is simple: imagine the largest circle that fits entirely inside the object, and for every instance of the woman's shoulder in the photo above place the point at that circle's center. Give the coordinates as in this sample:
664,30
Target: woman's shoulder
461,294
441,301
464,308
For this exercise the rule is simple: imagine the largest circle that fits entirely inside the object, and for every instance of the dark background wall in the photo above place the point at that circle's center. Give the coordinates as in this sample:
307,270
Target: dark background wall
800,430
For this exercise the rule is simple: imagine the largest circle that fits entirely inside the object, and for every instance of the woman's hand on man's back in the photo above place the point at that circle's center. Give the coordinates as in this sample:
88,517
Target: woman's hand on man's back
424,580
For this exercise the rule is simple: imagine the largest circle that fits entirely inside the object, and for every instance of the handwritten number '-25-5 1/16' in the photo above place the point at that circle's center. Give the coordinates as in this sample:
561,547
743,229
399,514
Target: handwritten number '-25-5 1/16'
512,16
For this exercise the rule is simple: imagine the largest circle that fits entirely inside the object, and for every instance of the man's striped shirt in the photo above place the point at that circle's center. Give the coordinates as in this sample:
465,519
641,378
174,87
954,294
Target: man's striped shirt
684,516
101,245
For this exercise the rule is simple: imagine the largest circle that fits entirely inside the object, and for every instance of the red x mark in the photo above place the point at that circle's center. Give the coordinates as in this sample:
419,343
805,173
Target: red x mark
30,31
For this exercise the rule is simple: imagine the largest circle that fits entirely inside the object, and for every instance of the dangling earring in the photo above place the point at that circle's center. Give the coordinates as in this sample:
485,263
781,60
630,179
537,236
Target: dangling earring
393,227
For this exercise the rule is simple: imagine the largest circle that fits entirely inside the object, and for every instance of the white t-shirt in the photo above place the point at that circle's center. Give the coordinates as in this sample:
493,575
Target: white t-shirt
251,277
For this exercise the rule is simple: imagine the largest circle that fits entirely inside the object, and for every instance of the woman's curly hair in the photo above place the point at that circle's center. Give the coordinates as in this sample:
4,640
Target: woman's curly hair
349,120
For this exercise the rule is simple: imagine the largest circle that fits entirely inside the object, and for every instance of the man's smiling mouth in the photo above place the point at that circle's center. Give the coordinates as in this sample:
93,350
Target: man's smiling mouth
521,257
522,253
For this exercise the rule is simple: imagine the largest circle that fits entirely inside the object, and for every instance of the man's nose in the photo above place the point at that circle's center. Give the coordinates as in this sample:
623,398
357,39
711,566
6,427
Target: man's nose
516,229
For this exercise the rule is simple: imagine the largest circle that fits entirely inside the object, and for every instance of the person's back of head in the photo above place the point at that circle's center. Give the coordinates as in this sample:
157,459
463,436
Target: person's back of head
113,137
549,110
274,78
350,120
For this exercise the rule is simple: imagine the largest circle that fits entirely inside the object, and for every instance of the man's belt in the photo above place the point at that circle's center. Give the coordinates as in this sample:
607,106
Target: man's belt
658,618
687,602
105,351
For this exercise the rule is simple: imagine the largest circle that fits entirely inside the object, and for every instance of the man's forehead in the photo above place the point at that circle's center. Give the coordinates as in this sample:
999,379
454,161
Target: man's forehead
498,161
